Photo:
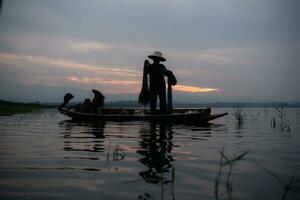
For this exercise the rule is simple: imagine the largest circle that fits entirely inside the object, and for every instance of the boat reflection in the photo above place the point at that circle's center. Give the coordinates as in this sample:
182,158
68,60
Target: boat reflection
83,136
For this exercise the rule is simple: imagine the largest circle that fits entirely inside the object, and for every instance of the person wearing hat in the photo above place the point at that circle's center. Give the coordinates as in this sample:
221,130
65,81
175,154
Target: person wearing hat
157,73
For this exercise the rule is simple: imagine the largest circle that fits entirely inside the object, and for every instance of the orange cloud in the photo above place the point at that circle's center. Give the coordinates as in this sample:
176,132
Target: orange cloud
185,88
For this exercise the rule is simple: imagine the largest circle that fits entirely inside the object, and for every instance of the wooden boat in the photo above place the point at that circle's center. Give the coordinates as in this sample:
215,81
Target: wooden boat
115,114
178,115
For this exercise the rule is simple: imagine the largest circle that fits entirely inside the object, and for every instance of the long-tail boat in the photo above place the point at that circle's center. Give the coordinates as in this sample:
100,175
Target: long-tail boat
178,115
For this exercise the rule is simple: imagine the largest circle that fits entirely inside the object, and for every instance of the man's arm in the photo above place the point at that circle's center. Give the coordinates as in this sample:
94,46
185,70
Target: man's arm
166,71
171,77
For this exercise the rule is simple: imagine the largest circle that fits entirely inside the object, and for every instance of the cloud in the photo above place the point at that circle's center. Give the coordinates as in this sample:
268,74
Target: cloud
217,56
20,59
108,86
90,46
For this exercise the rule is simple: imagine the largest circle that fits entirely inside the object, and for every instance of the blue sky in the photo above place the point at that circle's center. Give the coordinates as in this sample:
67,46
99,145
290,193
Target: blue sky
247,50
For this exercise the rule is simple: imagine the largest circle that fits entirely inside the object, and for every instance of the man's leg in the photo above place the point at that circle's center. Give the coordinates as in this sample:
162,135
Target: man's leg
153,102
162,102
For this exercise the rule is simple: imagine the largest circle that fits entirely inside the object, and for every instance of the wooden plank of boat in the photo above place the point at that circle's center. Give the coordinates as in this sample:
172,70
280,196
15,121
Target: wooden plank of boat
178,116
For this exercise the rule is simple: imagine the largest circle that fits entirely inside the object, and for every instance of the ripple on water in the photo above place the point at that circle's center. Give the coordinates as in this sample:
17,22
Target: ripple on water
46,155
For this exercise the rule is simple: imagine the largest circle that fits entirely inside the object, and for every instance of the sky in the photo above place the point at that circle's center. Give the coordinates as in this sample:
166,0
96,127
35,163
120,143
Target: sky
233,50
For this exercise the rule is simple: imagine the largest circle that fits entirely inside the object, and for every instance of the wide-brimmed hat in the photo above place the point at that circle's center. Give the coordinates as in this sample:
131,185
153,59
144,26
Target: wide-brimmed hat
157,55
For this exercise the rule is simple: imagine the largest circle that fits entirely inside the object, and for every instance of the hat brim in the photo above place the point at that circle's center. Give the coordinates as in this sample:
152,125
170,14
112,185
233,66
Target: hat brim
156,57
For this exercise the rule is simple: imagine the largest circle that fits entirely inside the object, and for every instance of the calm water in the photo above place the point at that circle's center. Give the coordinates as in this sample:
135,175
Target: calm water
45,155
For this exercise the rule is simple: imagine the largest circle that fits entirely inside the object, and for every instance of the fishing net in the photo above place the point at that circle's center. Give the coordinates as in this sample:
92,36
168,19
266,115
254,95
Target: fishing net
144,95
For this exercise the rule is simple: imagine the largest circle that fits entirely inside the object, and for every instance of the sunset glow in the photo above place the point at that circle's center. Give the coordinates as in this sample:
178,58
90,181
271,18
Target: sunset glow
185,88
133,85
122,80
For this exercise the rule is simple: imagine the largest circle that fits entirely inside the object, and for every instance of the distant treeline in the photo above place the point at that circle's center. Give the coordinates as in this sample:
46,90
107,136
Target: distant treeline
10,108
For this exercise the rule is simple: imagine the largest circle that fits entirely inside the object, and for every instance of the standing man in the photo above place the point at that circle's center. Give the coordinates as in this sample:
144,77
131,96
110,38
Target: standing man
157,73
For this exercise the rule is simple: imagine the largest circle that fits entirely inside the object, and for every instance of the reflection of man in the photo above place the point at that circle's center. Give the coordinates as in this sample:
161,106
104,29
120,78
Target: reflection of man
156,151
157,73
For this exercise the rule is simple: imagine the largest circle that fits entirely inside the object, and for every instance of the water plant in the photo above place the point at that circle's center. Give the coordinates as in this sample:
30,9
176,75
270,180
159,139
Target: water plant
225,161
239,114
117,153
292,185
282,116
173,183
145,196
273,122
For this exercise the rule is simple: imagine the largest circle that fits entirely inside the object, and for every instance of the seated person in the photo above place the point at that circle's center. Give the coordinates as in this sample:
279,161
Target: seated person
92,107
85,107
97,102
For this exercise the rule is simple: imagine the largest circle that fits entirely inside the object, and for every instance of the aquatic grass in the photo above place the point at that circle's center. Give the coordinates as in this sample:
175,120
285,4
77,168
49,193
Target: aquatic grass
173,183
217,179
240,115
282,116
118,154
108,150
230,163
288,187
292,185
273,122
281,112
145,196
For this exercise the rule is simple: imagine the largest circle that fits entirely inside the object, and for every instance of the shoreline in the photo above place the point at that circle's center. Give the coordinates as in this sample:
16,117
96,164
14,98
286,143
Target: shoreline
8,108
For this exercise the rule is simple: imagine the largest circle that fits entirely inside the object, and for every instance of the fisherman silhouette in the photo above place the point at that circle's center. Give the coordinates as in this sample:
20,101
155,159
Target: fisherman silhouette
157,73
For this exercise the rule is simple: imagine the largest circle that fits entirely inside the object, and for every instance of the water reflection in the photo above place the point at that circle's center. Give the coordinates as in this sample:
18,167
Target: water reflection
84,136
107,147
40,158
156,147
